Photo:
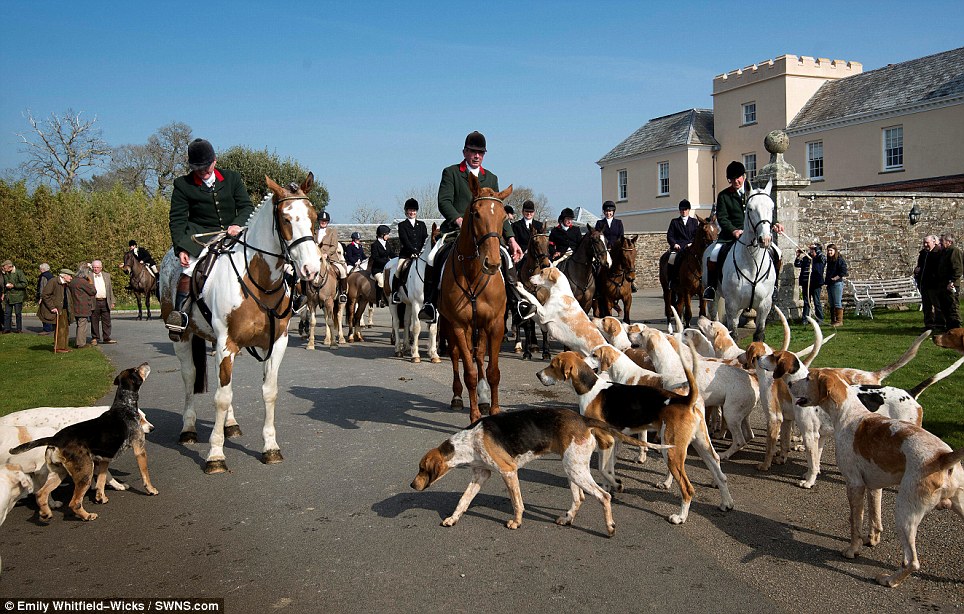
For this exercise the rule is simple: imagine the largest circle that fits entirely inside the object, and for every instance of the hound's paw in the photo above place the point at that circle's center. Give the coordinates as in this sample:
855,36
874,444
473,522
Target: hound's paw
808,483
873,539
115,484
102,499
46,515
89,517
677,519
513,524
850,552
665,484
780,460
564,520
889,580
763,467
726,506
150,490
611,528
450,521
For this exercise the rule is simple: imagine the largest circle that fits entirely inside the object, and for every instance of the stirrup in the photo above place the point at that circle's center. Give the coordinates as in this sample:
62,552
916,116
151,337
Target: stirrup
342,298
176,322
298,302
395,298
709,294
428,313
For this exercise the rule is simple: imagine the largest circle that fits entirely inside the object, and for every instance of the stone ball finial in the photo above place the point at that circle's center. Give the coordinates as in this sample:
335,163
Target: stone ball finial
777,142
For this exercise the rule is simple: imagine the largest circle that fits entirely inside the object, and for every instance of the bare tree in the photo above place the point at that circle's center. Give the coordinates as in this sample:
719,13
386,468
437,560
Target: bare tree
61,146
130,165
167,152
523,193
369,214
427,197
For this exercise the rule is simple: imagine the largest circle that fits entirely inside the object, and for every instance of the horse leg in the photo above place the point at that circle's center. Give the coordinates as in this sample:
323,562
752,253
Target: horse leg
271,453
492,373
182,349
312,321
331,340
455,354
140,312
627,305
147,303
546,355
762,313
222,402
470,371
414,325
371,315
432,339
528,328
339,307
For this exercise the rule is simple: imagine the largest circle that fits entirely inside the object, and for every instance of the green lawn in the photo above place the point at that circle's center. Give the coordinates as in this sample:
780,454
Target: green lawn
871,344
33,376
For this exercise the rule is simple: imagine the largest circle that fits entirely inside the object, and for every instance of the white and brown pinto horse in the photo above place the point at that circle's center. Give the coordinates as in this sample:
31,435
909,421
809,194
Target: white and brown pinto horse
249,303
473,301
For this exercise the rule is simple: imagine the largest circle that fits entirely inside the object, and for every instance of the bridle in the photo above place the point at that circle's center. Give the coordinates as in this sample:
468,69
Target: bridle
627,271
480,240
761,273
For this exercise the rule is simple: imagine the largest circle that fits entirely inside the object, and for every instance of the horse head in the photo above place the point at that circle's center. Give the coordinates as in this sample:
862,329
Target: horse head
627,254
599,250
295,219
758,219
486,215
707,232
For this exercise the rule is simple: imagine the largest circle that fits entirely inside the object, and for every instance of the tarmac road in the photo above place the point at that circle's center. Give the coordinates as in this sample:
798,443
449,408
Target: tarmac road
336,527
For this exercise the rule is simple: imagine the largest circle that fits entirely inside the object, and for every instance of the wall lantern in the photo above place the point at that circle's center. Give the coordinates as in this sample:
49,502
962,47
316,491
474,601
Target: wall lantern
915,213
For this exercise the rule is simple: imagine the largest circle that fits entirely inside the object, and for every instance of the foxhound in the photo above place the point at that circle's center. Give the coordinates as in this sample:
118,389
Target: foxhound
561,313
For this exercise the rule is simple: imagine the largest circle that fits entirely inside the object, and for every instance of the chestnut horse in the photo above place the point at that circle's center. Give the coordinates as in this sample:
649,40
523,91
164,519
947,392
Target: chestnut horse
473,300
143,281
689,281
245,303
617,280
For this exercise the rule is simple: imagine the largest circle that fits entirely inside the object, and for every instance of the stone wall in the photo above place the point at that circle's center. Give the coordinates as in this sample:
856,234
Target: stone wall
871,230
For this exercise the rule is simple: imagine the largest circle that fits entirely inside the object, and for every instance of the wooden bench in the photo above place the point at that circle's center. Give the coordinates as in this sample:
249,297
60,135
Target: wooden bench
879,292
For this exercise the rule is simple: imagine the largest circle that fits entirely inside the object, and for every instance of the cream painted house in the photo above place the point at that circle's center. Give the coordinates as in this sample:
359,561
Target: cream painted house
897,127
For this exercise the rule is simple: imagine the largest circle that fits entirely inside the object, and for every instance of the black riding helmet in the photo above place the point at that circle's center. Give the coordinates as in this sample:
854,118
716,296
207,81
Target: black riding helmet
382,230
324,217
411,205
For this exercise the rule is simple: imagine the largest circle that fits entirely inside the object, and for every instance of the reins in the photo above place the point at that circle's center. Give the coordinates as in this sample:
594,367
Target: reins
754,246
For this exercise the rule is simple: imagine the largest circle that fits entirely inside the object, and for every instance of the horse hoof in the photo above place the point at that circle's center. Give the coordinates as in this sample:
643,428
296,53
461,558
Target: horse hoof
416,360
215,466
546,356
527,356
232,431
457,405
436,360
187,437
485,408
271,457
350,340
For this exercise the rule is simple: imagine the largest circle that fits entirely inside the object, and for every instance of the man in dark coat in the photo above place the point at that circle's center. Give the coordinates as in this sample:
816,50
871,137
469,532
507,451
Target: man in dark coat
208,199
14,294
565,236
82,293
928,280
680,234
42,281
949,273
524,228
611,227
454,197
812,265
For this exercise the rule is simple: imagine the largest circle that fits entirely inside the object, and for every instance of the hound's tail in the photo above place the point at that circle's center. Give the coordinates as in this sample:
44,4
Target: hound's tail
605,433
921,387
944,461
694,394
30,445
786,328
807,355
903,360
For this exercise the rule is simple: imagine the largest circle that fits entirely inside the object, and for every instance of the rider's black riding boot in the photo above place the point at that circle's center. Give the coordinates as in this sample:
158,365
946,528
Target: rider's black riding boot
429,313
342,290
709,293
177,320
299,298
521,308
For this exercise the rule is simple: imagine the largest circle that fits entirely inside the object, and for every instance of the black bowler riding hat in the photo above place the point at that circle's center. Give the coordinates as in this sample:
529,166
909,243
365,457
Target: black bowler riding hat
609,206
411,205
567,213
684,205
200,154
324,217
382,230
475,141
735,169
131,243
509,210
528,205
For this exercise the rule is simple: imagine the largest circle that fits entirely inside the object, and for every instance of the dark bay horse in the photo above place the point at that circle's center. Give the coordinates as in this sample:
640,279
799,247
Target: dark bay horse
143,282
578,268
617,280
247,300
689,280
473,300
362,294
536,258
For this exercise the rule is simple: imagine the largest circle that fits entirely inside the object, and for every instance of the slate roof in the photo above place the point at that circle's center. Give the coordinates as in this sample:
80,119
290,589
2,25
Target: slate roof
892,87
691,127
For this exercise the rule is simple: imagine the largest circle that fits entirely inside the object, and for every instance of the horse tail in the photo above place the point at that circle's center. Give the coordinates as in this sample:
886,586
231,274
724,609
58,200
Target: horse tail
199,356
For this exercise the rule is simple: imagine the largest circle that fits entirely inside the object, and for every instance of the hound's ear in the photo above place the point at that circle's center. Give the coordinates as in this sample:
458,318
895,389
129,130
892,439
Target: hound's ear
273,187
633,238
567,369
308,183
606,358
833,388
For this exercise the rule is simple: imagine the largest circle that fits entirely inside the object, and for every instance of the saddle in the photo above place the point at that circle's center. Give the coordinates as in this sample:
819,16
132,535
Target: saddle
400,279
221,244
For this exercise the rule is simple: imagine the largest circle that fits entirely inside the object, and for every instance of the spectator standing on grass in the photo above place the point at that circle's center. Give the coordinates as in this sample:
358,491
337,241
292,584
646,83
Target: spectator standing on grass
835,274
103,304
82,292
811,265
14,294
949,272
42,281
928,281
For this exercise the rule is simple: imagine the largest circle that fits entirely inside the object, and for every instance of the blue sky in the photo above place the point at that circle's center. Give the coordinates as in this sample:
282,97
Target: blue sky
376,97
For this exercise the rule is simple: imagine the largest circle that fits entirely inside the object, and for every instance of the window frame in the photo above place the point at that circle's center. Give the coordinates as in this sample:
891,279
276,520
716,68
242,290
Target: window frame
744,108
660,178
622,185
813,161
751,169
886,155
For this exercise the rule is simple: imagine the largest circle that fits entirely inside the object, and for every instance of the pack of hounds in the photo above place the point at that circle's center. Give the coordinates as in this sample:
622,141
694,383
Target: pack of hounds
630,380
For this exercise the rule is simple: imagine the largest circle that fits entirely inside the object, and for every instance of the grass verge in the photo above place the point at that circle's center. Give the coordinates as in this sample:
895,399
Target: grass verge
871,344
36,377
